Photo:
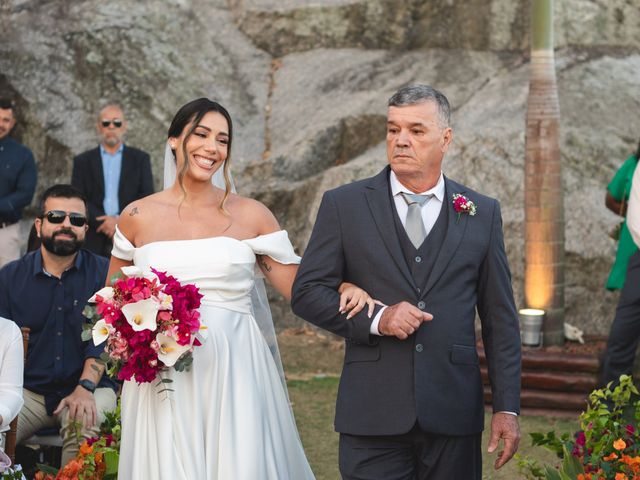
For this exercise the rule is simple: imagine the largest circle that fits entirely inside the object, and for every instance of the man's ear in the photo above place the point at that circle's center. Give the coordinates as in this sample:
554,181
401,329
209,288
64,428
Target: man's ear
447,137
38,224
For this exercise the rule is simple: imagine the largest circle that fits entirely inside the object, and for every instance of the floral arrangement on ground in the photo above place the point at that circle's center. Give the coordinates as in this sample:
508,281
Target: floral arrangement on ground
97,458
607,446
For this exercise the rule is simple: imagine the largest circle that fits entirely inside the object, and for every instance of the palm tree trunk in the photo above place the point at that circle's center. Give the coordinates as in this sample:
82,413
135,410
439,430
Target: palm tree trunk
543,193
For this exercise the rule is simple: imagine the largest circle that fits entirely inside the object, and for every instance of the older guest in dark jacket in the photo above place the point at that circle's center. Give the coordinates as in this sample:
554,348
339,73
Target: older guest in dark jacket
110,176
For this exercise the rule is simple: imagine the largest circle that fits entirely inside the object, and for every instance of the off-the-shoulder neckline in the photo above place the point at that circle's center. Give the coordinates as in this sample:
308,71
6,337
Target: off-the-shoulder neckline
226,237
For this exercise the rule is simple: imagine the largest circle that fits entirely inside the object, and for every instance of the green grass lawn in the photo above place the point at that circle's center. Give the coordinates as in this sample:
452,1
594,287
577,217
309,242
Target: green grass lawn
313,362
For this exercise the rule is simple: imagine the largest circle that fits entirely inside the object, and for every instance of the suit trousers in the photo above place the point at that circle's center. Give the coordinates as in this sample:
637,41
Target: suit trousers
10,242
625,329
33,417
415,455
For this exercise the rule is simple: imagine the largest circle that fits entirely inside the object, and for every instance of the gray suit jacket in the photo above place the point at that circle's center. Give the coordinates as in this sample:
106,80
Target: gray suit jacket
433,376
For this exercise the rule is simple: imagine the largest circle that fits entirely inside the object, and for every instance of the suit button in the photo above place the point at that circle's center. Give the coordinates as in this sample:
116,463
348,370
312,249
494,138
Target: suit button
419,348
418,259
421,305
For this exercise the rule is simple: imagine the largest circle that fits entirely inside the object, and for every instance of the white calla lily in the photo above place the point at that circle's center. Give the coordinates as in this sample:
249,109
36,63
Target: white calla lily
100,332
106,293
141,315
170,350
132,271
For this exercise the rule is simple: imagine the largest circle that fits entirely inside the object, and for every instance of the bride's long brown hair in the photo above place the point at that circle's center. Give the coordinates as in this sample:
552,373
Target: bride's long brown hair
189,116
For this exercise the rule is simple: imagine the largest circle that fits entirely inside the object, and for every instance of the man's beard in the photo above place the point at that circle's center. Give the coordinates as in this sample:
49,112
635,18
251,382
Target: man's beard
62,248
111,140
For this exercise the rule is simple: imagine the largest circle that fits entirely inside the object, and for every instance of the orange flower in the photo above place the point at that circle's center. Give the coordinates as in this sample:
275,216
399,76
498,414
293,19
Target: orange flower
71,469
613,456
626,459
621,476
619,444
98,457
43,476
85,449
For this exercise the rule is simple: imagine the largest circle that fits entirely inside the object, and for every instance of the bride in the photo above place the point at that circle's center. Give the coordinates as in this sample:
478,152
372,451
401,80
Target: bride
229,416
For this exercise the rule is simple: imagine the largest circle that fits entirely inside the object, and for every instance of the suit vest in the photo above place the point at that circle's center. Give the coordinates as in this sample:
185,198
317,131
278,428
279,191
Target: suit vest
421,260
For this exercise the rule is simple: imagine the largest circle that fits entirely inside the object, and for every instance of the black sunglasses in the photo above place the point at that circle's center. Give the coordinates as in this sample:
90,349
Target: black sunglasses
58,216
116,123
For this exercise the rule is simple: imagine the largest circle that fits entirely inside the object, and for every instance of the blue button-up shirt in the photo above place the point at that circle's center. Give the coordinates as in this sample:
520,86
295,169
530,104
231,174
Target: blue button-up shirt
17,179
111,167
52,308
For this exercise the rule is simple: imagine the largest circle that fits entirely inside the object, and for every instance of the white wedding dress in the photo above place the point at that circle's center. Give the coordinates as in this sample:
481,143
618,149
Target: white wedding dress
228,418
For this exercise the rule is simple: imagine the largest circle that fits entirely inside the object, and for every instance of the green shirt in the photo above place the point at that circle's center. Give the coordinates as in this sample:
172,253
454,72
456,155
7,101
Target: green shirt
619,188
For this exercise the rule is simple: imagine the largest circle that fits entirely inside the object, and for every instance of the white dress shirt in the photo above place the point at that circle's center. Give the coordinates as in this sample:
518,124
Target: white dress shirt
11,371
633,208
430,211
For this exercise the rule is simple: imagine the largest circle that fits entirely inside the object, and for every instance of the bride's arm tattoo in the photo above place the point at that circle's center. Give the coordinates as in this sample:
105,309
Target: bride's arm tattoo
265,265
134,211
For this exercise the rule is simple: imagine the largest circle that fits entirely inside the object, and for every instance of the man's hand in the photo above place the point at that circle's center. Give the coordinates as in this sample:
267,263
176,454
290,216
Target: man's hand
505,426
81,405
401,320
108,225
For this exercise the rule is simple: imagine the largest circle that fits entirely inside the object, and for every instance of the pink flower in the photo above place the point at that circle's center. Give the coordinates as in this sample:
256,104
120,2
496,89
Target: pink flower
462,204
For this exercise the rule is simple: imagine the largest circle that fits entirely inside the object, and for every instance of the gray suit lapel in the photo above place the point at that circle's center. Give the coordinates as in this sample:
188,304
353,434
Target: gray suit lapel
455,231
377,194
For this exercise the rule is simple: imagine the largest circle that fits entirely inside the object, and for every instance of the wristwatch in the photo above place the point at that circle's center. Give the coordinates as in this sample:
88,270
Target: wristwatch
87,384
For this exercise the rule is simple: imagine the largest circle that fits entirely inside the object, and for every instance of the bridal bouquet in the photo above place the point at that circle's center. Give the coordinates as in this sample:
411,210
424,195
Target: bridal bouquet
149,323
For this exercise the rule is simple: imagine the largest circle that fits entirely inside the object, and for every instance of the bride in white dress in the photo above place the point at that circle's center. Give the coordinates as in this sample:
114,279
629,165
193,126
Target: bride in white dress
228,418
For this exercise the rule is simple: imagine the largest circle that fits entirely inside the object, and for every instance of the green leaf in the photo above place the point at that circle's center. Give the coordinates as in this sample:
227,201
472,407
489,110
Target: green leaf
571,465
551,473
86,335
47,469
89,310
111,461
115,277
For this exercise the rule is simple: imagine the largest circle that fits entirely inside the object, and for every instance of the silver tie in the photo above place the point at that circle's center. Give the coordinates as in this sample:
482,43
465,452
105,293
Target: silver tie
414,224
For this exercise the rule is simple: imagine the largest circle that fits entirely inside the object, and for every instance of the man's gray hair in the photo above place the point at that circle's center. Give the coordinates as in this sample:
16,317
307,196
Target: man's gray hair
414,94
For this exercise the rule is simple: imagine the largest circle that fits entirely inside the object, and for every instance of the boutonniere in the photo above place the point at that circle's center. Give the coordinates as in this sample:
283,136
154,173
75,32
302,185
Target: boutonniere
462,204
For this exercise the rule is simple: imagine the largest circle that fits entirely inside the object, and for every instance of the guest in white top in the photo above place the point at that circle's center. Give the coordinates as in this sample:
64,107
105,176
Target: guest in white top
11,370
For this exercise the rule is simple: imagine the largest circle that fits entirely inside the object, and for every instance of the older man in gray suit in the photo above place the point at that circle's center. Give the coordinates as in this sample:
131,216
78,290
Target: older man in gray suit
410,401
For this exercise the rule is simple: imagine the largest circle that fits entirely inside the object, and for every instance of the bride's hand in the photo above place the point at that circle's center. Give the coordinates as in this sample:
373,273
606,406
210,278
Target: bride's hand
353,299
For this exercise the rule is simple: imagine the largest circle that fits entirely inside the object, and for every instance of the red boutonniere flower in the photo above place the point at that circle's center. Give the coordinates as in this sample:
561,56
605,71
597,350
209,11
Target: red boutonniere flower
462,204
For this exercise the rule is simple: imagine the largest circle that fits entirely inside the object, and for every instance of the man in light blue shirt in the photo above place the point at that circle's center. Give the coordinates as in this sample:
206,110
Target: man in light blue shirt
110,176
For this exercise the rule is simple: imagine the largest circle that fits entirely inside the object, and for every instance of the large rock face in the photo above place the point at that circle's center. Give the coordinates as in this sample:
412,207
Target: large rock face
307,84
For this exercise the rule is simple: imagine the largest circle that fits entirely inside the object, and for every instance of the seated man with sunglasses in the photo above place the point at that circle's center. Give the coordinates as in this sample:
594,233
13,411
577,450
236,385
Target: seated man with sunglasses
110,176
46,290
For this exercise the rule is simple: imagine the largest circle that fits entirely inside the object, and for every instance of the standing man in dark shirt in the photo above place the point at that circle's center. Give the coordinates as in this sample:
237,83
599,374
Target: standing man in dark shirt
17,184
46,290
111,177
